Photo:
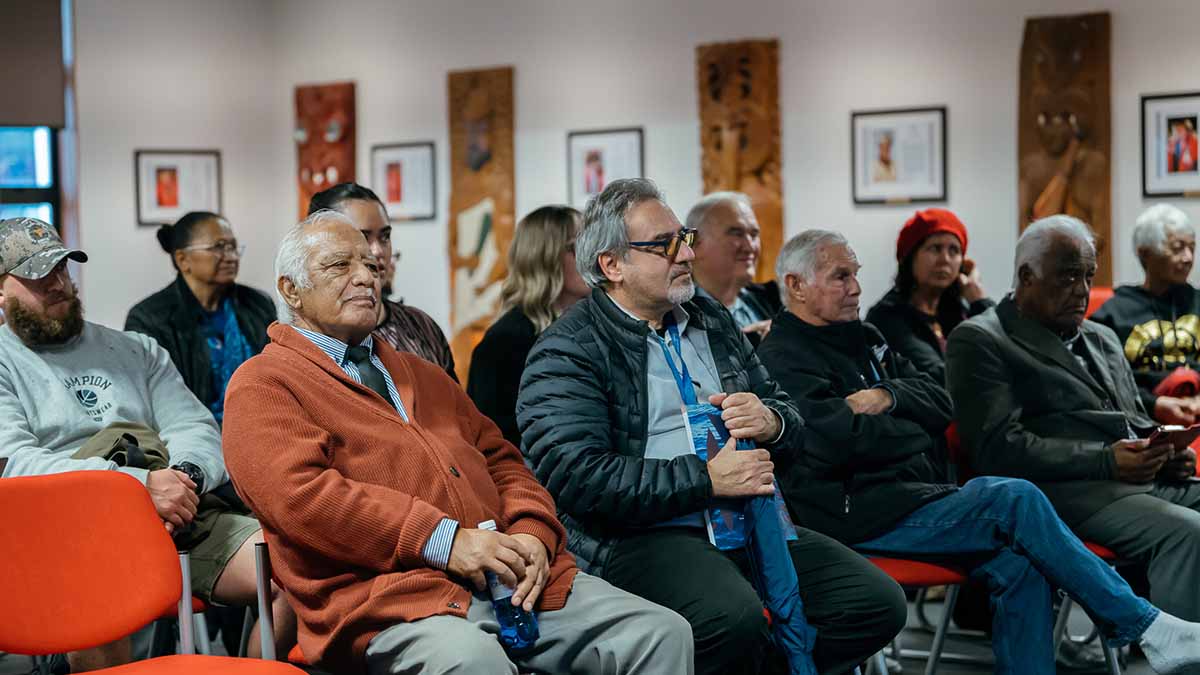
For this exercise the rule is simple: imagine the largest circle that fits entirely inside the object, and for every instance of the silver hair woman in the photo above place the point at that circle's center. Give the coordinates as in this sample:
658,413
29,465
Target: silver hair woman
1158,320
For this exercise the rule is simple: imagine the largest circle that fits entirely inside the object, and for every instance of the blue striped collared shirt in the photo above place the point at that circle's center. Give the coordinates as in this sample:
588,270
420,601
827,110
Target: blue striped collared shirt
436,551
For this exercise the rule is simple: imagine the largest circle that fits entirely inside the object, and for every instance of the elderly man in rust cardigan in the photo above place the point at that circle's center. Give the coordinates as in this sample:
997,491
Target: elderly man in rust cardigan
369,470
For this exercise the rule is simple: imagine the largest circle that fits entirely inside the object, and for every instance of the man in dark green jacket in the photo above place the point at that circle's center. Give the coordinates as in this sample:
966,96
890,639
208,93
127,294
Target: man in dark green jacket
600,412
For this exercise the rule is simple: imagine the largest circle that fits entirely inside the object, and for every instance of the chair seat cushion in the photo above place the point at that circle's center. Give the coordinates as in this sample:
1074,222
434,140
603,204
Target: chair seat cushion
917,573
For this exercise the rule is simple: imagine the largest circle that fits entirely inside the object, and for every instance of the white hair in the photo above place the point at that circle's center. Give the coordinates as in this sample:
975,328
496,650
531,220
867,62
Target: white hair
1036,240
291,260
800,255
604,228
1156,223
697,218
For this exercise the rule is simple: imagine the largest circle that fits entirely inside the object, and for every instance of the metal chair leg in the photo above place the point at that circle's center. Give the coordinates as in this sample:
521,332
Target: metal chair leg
247,630
266,620
1111,659
203,643
187,644
1060,623
879,663
939,638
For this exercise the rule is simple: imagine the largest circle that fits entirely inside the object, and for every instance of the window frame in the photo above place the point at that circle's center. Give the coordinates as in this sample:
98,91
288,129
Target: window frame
51,194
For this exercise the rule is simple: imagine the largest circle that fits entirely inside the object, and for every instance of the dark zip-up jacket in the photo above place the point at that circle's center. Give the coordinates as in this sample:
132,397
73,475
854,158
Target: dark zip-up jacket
858,474
1158,333
583,415
172,317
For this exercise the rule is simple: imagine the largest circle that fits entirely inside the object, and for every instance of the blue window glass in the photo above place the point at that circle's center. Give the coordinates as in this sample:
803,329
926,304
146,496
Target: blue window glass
43,211
25,160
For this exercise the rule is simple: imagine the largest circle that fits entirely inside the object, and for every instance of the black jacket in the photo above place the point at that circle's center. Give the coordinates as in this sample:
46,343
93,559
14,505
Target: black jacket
1144,324
496,367
583,415
908,331
172,317
1026,408
858,474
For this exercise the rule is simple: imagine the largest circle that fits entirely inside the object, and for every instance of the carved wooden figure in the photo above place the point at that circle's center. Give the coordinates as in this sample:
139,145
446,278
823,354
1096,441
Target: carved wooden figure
325,138
739,132
481,202
1065,126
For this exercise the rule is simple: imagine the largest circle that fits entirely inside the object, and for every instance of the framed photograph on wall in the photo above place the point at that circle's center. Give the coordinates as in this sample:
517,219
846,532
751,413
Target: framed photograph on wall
1170,164
170,183
898,156
596,158
404,175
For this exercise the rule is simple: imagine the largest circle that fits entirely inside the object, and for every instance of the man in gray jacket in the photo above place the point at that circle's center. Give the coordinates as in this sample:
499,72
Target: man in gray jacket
1042,394
75,395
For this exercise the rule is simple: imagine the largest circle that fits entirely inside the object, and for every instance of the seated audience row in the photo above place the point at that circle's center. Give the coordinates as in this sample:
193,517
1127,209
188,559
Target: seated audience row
372,472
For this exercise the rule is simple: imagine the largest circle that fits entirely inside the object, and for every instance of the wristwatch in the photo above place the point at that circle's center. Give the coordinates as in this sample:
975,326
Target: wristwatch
192,472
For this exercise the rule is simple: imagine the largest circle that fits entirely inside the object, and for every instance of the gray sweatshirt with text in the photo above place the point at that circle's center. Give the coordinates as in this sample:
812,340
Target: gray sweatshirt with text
53,399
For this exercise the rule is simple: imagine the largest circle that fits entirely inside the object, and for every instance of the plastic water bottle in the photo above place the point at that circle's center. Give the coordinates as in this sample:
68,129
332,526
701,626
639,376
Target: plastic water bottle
518,628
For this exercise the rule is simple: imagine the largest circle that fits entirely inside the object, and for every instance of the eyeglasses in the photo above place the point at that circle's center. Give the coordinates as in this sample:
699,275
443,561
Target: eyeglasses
220,249
669,247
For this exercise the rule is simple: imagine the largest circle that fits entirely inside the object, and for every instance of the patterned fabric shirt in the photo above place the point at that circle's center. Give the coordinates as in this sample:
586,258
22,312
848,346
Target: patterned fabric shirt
408,329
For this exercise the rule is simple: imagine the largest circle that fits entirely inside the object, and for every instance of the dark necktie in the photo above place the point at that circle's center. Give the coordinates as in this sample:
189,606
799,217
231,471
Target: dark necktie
361,356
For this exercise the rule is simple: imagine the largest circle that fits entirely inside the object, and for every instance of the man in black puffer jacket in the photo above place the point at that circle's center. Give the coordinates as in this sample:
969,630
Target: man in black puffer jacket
601,422
869,472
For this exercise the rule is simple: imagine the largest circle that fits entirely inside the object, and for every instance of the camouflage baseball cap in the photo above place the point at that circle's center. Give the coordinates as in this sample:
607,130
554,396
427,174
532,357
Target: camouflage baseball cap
30,248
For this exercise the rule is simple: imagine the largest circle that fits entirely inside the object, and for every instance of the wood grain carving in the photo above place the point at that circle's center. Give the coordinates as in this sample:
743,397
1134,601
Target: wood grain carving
325,138
1064,137
481,202
739,132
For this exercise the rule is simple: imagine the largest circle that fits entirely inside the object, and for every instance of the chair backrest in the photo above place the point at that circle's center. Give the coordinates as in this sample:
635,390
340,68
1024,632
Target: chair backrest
1098,296
86,560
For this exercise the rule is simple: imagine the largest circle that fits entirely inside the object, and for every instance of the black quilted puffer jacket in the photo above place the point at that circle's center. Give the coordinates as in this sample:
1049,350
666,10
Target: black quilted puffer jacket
582,412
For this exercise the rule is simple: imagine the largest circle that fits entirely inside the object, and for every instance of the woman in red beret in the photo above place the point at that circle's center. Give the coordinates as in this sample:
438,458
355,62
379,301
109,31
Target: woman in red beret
937,288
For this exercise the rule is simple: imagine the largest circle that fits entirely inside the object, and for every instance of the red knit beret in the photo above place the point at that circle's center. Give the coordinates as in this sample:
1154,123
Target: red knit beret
925,223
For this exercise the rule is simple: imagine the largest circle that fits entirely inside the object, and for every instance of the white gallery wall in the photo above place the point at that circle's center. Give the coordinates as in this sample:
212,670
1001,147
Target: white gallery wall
171,73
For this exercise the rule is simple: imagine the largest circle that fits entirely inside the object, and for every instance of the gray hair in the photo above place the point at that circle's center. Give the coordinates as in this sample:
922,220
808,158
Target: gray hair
800,255
1155,223
1036,240
697,218
604,229
291,260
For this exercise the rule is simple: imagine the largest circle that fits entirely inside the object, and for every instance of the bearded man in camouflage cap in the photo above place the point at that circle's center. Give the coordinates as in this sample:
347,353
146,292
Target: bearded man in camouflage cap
75,395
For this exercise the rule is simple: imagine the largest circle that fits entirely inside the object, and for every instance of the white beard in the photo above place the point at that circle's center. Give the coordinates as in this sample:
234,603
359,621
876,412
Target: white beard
678,296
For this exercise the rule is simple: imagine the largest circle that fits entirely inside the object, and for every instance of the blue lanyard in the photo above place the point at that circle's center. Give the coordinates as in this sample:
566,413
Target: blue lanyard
683,380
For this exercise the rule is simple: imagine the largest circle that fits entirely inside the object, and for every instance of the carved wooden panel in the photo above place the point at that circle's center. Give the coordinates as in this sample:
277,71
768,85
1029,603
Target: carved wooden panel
739,132
481,202
325,138
1064,137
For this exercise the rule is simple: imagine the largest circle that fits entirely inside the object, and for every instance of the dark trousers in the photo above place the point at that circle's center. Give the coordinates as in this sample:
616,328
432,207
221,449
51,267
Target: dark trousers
855,608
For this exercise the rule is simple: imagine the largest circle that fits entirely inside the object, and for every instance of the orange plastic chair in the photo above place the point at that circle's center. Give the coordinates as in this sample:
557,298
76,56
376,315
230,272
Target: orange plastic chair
923,575
1098,296
86,562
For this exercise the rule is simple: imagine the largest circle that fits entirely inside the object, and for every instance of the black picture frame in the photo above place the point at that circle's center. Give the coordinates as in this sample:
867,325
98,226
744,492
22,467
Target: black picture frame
1158,186
939,158
378,182
145,219
638,133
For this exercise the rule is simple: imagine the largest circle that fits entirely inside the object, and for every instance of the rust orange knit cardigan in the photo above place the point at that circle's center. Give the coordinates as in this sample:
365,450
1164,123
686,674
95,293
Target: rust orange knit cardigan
348,493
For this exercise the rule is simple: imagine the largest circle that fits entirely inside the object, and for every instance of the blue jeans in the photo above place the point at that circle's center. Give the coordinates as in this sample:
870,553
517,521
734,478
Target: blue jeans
1006,531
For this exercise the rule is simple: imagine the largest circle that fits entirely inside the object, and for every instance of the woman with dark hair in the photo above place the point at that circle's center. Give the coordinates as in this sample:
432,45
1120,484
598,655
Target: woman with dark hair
542,283
402,326
937,288
208,323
